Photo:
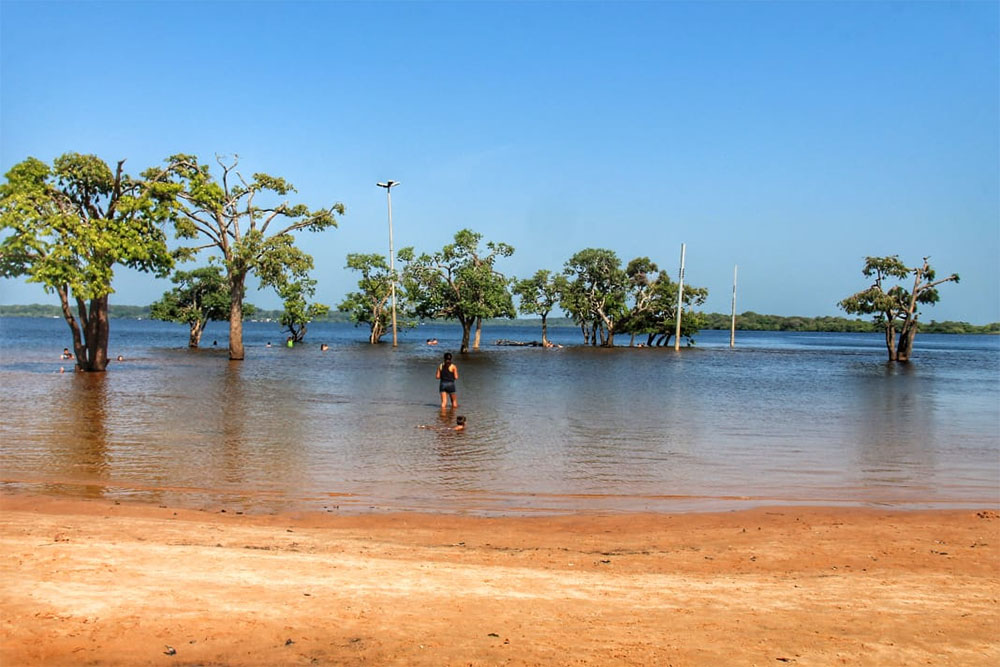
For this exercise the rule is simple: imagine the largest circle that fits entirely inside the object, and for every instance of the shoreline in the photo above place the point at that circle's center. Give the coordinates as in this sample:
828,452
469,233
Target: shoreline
92,581
472,504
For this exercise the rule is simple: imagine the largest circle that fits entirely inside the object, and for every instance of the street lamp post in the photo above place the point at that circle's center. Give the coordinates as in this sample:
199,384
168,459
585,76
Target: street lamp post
388,185
680,301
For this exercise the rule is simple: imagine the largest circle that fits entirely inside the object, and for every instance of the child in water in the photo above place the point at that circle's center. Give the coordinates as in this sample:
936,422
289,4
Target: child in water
459,425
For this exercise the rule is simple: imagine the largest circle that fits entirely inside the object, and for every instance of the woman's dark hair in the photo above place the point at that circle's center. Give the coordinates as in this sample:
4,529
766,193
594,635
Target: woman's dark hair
447,357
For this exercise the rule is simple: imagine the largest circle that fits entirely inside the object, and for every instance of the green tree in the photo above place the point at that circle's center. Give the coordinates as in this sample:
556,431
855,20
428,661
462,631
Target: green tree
595,294
235,217
654,304
201,295
539,294
461,282
68,226
299,312
892,306
371,305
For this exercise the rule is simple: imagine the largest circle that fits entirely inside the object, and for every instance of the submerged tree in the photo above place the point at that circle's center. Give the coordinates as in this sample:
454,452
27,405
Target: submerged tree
539,294
893,307
66,227
201,295
371,304
654,304
299,312
232,217
595,294
461,282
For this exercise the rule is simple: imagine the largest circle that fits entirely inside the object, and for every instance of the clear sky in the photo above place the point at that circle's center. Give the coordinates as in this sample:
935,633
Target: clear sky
791,138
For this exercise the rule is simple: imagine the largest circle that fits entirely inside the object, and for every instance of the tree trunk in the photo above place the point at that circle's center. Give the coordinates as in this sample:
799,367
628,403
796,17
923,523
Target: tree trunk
586,333
197,328
479,333
236,289
92,350
906,336
466,329
74,327
103,327
890,340
545,340
377,330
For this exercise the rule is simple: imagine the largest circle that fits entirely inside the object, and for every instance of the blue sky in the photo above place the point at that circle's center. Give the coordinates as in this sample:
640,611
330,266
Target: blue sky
790,138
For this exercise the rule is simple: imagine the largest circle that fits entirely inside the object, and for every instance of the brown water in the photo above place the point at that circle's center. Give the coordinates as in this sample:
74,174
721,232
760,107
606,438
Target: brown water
784,418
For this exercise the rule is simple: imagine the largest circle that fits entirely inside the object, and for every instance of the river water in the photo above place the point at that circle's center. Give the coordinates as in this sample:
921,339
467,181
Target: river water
784,418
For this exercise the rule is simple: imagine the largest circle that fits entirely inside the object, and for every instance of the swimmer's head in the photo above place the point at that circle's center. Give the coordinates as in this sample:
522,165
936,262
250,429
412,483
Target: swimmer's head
460,420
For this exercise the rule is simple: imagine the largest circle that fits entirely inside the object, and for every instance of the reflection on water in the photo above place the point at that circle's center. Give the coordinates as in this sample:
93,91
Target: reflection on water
783,418
79,438
896,426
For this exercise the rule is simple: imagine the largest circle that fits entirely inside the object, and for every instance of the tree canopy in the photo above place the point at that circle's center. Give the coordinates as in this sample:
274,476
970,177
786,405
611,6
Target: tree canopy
298,311
201,295
891,305
370,305
539,294
67,226
654,304
595,293
461,282
249,223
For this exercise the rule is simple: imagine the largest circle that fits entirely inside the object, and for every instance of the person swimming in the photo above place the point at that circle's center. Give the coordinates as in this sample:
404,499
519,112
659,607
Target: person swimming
460,422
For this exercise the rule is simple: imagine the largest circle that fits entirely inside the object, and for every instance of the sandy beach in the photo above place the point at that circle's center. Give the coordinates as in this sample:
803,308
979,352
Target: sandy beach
97,582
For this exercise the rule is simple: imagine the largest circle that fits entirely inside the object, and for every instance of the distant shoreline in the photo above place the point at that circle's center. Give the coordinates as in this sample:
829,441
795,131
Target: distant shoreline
747,321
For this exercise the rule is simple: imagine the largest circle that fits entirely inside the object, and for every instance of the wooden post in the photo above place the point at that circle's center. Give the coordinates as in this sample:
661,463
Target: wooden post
732,326
680,302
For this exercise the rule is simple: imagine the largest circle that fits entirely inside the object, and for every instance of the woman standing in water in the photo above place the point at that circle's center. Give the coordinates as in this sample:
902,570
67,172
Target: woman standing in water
447,373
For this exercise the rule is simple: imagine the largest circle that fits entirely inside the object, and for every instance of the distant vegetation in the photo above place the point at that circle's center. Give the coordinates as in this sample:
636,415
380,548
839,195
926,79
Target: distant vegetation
47,310
142,313
748,321
751,321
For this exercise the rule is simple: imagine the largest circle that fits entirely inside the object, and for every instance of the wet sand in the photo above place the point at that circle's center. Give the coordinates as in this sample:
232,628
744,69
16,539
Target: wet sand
95,582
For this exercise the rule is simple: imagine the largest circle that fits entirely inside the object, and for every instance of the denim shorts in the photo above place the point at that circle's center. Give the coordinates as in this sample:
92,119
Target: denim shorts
447,387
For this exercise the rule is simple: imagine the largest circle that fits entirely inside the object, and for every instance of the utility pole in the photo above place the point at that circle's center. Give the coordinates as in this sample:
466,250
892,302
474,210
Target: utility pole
732,325
680,302
388,185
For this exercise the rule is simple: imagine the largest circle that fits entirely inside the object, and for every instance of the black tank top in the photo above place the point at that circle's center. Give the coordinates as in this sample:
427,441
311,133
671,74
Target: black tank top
446,374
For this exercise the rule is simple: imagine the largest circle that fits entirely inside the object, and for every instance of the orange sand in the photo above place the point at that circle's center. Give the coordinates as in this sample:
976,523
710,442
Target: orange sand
93,582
